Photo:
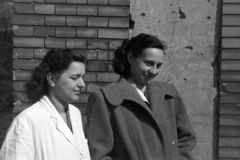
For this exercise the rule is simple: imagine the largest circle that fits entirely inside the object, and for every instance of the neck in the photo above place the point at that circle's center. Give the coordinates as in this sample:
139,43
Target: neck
142,88
60,106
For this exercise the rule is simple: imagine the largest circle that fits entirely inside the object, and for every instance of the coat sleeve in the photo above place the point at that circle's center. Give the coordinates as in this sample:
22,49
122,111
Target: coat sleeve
99,130
18,143
186,134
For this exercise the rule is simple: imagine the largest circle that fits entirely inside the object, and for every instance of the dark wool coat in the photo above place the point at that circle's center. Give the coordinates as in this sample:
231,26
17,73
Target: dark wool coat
123,127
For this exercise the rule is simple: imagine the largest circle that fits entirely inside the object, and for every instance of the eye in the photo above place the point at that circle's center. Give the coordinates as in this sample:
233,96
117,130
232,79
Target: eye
74,77
148,63
159,65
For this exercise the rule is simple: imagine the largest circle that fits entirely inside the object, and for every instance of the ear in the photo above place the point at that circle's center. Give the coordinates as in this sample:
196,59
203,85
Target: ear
51,79
130,57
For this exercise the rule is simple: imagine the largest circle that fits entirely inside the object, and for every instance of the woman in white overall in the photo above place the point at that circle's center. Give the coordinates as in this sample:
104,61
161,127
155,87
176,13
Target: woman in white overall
51,129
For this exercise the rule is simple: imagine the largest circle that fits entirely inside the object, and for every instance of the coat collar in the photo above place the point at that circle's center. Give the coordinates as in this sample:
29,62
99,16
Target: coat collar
122,90
61,126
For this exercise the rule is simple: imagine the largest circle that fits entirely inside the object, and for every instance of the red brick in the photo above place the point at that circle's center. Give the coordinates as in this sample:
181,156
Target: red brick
82,108
229,98
113,11
97,22
83,98
22,96
230,42
88,54
22,31
96,66
18,85
113,44
28,42
87,10
25,64
66,32
110,68
119,22
101,2
105,55
28,20
19,107
55,1
232,87
55,43
22,53
83,90
77,1
90,77
23,8
231,20
87,32
44,9
21,75
230,54
230,65
66,10
119,2
55,20
231,76
113,33
40,53
44,31
97,44
107,77
76,43
93,87
76,21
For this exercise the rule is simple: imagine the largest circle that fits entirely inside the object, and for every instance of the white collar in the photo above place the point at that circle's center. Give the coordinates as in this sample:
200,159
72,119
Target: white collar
138,90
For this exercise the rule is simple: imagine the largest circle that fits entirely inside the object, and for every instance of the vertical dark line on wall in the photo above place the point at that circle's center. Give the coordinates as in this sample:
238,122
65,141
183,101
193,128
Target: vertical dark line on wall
217,78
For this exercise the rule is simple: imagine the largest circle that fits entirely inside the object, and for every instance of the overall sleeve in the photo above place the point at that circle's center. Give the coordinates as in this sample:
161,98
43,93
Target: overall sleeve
18,143
99,130
186,134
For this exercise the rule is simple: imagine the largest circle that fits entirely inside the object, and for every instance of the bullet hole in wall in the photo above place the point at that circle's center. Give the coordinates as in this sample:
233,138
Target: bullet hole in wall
181,14
189,47
131,22
208,17
185,79
142,15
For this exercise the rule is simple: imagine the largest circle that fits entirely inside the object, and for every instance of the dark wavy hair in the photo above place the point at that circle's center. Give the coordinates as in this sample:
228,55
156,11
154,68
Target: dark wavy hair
135,45
55,61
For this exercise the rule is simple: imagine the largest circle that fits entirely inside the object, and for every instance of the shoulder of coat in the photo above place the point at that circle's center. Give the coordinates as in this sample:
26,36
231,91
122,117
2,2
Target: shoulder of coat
169,89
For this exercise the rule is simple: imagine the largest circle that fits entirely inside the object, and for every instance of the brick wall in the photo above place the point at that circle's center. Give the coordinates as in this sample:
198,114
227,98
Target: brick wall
229,118
91,27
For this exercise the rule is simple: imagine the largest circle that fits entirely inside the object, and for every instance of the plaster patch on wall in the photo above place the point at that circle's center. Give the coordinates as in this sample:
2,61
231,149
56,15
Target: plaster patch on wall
188,28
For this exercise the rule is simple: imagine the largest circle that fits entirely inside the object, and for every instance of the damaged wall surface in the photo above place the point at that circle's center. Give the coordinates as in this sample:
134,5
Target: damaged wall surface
188,28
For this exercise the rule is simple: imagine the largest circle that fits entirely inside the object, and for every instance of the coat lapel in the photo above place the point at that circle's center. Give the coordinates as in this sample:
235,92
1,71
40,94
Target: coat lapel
60,124
122,90
156,98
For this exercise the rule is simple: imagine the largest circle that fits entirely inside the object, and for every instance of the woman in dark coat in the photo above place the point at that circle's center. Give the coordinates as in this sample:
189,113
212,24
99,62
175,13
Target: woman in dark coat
137,118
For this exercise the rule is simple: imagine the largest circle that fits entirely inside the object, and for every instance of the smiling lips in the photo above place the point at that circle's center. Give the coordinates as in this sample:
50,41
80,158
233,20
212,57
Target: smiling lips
77,92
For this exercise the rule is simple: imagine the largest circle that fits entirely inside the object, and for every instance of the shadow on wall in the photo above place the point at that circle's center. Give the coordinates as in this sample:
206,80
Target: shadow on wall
6,65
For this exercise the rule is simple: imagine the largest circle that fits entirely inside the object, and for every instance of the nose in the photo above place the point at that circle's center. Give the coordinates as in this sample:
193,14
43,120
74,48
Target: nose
154,71
81,83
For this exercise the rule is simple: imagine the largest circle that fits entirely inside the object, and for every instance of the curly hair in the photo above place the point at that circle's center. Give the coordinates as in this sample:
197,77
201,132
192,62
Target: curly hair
135,45
55,61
